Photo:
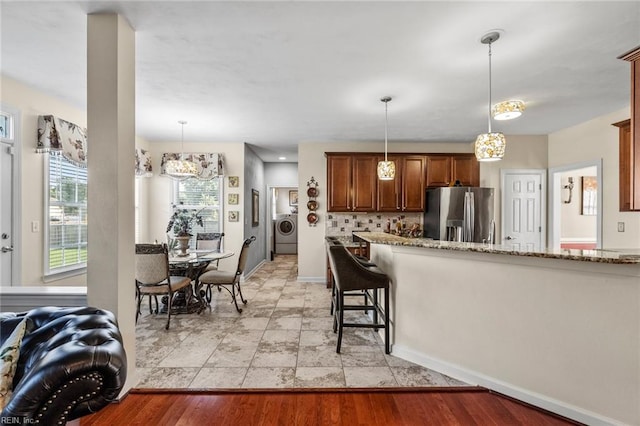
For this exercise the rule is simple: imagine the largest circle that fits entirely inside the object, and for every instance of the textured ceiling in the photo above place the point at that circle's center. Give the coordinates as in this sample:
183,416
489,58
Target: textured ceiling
276,74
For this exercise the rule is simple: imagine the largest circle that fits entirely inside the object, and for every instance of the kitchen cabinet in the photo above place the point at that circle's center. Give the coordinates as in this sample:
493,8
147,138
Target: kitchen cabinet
445,169
406,192
630,141
351,183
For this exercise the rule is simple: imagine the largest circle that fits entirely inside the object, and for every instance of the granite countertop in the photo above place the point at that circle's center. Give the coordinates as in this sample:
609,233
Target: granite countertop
345,241
612,256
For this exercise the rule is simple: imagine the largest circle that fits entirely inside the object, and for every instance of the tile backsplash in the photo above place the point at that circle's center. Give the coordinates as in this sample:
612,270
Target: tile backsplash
343,224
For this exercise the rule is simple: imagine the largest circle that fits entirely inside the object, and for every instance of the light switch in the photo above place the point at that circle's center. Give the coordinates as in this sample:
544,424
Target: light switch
35,226
620,226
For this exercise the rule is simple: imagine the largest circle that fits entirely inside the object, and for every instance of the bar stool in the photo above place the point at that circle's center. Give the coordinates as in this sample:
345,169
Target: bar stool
350,275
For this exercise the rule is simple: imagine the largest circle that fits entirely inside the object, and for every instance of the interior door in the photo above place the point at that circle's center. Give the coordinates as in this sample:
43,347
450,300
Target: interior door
522,227
6,208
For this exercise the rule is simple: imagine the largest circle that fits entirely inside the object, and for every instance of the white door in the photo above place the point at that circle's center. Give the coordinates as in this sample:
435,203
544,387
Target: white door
522,209
6,208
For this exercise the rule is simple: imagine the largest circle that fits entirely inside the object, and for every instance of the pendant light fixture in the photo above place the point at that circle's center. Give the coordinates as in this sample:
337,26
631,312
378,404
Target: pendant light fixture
490,146
181,168
386,169
507,110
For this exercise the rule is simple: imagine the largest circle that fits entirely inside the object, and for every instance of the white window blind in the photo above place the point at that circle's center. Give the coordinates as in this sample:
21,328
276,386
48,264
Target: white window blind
204,195
66,247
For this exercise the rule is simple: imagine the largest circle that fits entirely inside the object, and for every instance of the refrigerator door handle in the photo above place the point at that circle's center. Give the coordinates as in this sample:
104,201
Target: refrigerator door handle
468,217
472,217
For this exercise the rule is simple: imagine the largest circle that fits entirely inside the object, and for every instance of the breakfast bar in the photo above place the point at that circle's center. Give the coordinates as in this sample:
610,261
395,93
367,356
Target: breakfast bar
559,329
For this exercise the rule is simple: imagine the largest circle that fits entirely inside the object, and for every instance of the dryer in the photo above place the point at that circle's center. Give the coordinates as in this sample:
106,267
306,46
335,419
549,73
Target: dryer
286,234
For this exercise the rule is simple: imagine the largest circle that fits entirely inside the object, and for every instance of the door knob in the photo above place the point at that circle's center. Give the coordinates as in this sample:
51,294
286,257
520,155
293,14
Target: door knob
509,238
7,249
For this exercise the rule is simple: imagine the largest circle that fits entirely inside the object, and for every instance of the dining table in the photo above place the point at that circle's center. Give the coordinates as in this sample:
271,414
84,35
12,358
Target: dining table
191,299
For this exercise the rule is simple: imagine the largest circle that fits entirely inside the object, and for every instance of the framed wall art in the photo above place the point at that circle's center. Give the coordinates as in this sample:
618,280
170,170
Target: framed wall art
232,198
234,216
234,181
293,197
589,192
255,207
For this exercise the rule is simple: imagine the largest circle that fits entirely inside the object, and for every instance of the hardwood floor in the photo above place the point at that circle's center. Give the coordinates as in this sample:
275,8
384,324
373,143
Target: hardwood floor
322,407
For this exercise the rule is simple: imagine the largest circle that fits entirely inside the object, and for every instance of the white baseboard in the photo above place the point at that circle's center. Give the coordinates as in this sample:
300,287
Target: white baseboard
311,279
247,275
577,240
474,378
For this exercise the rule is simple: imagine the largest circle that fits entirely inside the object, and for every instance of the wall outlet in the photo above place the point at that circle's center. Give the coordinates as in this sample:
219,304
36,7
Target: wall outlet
620,226
35,226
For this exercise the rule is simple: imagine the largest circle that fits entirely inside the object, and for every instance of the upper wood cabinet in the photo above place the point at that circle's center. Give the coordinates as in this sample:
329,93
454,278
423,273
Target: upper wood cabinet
630,141
625,182
405,193
445,169
351,183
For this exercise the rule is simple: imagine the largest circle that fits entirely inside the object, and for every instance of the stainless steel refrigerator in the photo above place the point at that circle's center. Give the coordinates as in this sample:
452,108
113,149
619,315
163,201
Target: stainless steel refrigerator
459,214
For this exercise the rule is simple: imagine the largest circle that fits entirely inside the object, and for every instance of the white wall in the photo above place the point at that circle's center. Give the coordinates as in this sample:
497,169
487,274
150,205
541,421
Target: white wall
160,193
591,141
281,174
282,199
574,226
563,335
32,103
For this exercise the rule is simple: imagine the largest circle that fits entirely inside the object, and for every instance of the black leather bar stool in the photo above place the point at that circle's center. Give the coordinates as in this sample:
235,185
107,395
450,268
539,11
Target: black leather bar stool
350,275
333,242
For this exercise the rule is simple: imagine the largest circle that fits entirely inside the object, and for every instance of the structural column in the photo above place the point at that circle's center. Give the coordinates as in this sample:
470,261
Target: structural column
110,159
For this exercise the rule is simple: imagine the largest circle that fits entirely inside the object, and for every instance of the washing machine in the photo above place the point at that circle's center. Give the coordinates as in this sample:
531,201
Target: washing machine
286,234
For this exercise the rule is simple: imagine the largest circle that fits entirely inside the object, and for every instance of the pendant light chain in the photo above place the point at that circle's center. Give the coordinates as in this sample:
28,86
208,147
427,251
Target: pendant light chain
182,122
386,123
489,114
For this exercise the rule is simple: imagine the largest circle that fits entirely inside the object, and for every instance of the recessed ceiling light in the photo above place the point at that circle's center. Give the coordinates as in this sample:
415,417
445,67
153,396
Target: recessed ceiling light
282,158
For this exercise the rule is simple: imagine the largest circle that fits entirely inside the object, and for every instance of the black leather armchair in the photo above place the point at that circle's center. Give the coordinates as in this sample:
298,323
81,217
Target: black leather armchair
72,363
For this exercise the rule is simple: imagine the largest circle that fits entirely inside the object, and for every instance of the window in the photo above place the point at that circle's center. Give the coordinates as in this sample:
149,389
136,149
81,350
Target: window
203,195
66,246
136,203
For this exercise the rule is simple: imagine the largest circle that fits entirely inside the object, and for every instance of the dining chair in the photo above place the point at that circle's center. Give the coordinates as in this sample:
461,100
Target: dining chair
153,278
210,241
229,280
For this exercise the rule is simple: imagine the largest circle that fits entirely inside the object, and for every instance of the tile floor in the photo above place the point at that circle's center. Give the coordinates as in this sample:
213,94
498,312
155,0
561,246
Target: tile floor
282,339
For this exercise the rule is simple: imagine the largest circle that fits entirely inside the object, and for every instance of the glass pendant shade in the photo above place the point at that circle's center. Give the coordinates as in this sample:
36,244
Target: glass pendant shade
386,170
490,146
507,110
181,168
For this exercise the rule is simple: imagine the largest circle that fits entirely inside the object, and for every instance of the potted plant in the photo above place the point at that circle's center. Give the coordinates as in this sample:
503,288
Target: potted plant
181,222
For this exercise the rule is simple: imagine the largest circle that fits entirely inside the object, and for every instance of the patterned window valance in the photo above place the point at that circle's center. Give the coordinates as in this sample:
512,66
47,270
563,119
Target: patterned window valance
210,165
143,163
56,135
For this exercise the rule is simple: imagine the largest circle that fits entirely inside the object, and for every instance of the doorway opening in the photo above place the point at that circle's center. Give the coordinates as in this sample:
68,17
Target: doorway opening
575,206
282,233
10,196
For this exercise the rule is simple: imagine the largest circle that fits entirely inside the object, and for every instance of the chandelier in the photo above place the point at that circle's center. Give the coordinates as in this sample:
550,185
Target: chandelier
181,168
